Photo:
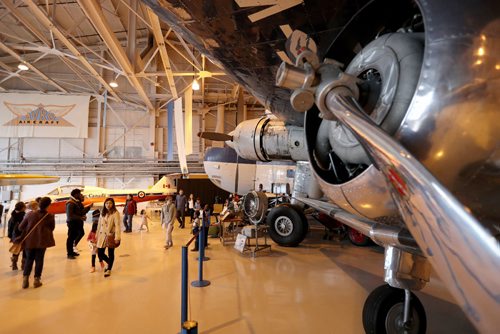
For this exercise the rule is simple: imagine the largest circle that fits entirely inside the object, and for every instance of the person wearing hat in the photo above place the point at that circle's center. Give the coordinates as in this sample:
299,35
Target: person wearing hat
75,216
92,239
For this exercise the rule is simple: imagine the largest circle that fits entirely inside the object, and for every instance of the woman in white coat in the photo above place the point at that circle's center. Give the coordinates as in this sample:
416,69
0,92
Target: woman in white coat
109,224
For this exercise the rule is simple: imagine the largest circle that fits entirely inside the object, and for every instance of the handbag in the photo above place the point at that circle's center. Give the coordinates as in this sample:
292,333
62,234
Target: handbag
110,241
17,247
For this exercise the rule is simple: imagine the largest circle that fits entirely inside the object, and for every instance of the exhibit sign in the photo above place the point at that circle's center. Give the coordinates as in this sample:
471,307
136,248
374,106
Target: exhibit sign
41,115
240,243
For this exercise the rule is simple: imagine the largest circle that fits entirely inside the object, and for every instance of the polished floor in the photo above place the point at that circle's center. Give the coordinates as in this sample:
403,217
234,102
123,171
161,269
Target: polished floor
319,287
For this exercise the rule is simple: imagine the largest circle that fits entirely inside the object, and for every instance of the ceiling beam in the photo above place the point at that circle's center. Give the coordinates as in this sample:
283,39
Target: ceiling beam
10,70
93,11
31,67
188,50
155,23
38,34
132,35
43,18
180,74
31,29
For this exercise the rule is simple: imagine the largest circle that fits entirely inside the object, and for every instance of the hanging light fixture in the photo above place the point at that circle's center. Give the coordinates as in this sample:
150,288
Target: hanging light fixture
113,84
195,85
23,67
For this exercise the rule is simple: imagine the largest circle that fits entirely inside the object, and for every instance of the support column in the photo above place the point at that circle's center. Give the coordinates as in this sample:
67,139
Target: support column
152,150
131,33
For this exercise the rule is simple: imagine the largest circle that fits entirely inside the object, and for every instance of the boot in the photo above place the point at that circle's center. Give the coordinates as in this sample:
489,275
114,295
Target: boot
26,282
37,283
14,263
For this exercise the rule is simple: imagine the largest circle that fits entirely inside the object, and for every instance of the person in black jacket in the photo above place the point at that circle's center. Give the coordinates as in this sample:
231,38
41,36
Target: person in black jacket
13,231
75,217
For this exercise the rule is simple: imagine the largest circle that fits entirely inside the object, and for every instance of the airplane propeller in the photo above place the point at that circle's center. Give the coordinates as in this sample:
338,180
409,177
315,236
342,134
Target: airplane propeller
215,136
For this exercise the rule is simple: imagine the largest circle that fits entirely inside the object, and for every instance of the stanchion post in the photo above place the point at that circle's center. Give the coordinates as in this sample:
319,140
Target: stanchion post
201,247
190,327
184,286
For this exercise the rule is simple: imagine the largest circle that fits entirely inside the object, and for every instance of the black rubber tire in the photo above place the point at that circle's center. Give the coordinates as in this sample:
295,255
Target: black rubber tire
299,226
379,303
355,241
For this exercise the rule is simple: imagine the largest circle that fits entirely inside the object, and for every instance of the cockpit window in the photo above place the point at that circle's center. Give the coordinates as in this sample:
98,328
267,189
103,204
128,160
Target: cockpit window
54,192
66,190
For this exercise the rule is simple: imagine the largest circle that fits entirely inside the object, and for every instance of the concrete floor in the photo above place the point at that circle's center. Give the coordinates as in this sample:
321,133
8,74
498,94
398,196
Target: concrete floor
319,287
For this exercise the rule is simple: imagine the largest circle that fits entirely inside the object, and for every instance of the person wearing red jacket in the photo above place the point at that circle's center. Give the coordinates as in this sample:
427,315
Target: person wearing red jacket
129,211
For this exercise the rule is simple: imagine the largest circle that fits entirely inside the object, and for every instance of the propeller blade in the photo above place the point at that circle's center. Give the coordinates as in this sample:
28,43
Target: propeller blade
215,136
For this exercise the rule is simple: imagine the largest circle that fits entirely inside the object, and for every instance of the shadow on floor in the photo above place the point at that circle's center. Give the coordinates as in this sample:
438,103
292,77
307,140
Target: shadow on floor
436,309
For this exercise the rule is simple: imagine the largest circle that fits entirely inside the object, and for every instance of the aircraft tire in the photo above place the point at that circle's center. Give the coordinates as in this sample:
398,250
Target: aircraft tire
358,239
384,310
287,226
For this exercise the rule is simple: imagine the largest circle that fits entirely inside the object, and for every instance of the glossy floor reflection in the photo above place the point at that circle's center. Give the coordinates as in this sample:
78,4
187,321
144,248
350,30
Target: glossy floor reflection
319,287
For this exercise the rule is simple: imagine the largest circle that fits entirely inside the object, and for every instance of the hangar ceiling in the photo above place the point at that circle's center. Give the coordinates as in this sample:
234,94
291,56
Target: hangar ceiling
84,47
80,47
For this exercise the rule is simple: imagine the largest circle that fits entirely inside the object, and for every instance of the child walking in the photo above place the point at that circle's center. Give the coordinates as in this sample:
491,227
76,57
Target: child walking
92,239
144,220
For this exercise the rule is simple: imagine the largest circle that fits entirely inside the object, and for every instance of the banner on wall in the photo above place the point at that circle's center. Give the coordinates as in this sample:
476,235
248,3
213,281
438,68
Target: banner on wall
48,116
188,120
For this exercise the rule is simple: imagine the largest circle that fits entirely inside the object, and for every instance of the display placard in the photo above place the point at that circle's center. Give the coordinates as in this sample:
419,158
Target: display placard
240,243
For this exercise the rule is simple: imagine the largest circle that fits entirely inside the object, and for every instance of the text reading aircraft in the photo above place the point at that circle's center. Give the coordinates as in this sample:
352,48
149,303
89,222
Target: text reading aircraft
393,107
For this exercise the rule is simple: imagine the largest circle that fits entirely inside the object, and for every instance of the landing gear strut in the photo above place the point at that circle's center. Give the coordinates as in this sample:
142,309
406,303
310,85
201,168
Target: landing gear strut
393,308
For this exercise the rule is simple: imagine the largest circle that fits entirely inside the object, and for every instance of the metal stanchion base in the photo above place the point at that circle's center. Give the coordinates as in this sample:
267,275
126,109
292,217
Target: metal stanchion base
206,258
200,284
189,327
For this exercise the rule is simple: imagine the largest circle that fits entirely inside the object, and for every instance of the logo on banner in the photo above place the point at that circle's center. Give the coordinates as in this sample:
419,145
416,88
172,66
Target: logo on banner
39,115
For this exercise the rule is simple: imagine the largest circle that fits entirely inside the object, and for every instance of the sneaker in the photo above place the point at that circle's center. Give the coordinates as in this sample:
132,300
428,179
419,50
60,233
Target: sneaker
76,254
107,273
71,257
92,270
194,250
166,247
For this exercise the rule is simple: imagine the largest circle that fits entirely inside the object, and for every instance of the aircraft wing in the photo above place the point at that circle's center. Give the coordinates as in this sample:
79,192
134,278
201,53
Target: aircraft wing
26,179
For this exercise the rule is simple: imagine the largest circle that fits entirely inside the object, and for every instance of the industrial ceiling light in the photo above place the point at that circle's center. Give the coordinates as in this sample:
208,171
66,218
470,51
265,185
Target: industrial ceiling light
113,84
195,85
23,67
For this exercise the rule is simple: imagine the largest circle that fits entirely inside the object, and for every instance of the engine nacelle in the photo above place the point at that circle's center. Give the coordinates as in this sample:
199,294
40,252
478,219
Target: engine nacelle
265,139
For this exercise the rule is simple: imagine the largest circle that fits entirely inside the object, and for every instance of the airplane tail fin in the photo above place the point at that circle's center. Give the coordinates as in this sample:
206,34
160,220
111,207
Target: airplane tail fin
165,184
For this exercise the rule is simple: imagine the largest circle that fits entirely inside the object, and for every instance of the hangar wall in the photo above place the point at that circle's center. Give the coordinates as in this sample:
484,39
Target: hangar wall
124,137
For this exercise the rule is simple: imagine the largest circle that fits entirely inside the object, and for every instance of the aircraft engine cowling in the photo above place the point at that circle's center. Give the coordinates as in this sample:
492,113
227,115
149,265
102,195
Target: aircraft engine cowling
387,70
265,139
